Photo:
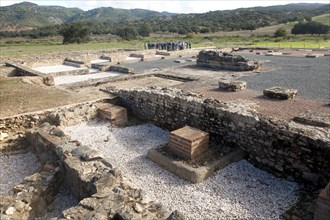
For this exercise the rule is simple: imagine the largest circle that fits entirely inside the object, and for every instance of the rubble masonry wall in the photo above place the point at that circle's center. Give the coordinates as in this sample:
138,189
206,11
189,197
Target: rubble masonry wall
281,147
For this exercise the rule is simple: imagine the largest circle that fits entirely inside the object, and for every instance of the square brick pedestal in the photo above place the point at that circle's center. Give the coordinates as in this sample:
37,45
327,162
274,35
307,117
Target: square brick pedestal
189,142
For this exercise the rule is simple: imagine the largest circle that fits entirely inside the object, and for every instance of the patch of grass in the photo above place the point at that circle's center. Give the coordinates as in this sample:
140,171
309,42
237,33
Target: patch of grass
324,19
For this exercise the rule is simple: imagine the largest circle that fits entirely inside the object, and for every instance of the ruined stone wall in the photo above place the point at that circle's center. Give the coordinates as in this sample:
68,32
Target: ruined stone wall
286,149
103,191
226,61
14,127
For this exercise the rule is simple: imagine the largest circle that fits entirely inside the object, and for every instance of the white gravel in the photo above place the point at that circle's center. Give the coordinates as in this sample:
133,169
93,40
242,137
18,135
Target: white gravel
239,191
13,169
56,68
60,80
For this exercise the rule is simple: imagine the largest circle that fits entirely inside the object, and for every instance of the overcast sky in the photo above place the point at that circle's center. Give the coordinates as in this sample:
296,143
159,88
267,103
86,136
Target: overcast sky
183,6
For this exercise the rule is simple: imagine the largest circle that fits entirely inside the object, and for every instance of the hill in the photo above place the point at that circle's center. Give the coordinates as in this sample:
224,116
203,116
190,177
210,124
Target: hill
105,20
28,15
324,19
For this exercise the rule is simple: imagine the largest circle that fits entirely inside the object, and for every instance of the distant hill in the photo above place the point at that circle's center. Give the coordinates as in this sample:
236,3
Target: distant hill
28,16
324,19
114,15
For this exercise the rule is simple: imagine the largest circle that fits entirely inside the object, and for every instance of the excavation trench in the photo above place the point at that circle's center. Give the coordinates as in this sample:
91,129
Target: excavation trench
105,172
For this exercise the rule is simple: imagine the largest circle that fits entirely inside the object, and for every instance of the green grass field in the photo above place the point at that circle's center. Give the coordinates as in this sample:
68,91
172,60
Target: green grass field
324,19
23,47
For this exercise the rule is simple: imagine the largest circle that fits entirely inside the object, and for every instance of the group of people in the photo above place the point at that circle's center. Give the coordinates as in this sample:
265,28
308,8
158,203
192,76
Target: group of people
179,45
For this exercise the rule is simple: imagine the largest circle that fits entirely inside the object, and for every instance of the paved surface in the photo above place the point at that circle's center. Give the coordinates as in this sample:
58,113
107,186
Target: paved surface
140,67
311,76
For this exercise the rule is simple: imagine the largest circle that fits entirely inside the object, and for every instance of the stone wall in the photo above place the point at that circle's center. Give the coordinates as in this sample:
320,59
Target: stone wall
285,148
103,191
15,126
226,61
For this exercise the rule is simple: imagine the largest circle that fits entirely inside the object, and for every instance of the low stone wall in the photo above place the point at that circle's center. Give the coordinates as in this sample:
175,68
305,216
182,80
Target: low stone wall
22,70
16,126
103,191
121,69
226,61
286,149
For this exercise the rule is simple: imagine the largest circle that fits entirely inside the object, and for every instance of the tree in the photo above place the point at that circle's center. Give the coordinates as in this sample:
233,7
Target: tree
127,33
145,30
312,27
280,32
75,33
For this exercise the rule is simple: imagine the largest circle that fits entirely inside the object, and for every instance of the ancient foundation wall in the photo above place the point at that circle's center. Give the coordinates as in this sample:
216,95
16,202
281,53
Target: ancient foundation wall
102,190
16,126
286,149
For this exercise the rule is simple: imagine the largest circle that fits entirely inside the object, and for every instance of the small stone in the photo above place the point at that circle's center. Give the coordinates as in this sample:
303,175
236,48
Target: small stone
10,211
19,206
3,136
138,208
32,178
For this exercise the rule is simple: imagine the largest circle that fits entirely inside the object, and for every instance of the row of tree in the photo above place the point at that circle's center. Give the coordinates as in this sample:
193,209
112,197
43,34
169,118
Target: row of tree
311,27
80,32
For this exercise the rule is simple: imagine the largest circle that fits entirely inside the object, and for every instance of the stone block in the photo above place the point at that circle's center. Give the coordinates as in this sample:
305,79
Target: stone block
322,211
189,142
163,53
179,61
280,93
193,173
313,55
115,114
313,118
232,86
121,69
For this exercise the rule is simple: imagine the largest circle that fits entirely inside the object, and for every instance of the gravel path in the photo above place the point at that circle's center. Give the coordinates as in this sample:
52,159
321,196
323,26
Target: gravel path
13,169
239,191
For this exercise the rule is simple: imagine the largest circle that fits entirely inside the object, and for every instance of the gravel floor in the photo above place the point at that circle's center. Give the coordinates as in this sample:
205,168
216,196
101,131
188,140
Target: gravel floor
13,169
239,191
311,76
140,67
63,200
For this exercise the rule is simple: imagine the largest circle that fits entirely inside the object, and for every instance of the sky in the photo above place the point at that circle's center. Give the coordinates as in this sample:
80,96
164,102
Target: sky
176,6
